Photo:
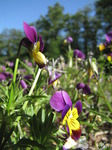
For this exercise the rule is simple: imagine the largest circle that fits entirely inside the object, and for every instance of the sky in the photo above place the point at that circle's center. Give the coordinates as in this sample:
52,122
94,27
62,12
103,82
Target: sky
14,12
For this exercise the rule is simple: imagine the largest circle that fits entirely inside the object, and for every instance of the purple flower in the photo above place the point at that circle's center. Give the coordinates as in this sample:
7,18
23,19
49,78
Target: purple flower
10,64
107,43
54,76
69,117
86,89
23,84
5,75
59,100
109,37
2,76
68,40
80,86
2,68
28,77
34,46
79,54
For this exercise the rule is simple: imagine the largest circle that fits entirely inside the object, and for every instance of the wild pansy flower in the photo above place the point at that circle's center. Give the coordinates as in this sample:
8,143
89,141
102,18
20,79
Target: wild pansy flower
68,40
108,43
5,75
80,86
61,101
70,119
78,54
34,46
109,57
53,78
86,89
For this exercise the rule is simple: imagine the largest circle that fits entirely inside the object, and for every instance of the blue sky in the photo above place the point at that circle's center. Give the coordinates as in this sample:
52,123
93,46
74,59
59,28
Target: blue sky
14,12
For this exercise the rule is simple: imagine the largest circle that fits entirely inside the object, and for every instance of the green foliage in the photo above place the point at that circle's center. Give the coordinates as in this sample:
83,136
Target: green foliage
43,131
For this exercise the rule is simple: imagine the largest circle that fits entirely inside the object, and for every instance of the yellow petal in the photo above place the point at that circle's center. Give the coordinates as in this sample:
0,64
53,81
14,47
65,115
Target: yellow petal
101,47
37,47
39,58
109,58
75,113
66,116
73,125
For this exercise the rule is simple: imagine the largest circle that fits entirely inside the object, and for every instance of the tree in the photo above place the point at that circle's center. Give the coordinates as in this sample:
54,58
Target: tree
51,26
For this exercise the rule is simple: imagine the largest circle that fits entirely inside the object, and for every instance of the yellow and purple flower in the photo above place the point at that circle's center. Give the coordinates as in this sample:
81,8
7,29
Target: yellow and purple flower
34,46
79,54
109,57
108,42
53,78
61,101
69,40
70,120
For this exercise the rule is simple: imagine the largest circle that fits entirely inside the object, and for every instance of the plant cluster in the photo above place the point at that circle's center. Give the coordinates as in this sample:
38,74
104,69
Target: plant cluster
52,104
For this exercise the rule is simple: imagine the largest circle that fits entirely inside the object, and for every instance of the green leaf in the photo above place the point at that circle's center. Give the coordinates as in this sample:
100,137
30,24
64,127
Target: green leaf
89,124
4,90
29,143
104,117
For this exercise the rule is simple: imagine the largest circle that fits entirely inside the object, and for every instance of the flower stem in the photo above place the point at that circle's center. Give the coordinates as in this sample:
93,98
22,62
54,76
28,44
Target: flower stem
32,88
34,83
70,56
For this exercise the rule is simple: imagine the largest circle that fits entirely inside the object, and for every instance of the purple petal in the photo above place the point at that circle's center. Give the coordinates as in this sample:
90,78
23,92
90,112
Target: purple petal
28,77
109,37
2,76
69,39
110,54
41,43
27,44
76,134
87,89
66,98
8,75
54,77
3,68
11,64
57,102
29,64
30,32
23,84
80,85
79,54
65,110
78,105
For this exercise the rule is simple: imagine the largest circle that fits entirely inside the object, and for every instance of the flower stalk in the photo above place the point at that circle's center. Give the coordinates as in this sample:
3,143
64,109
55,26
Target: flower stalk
32,88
